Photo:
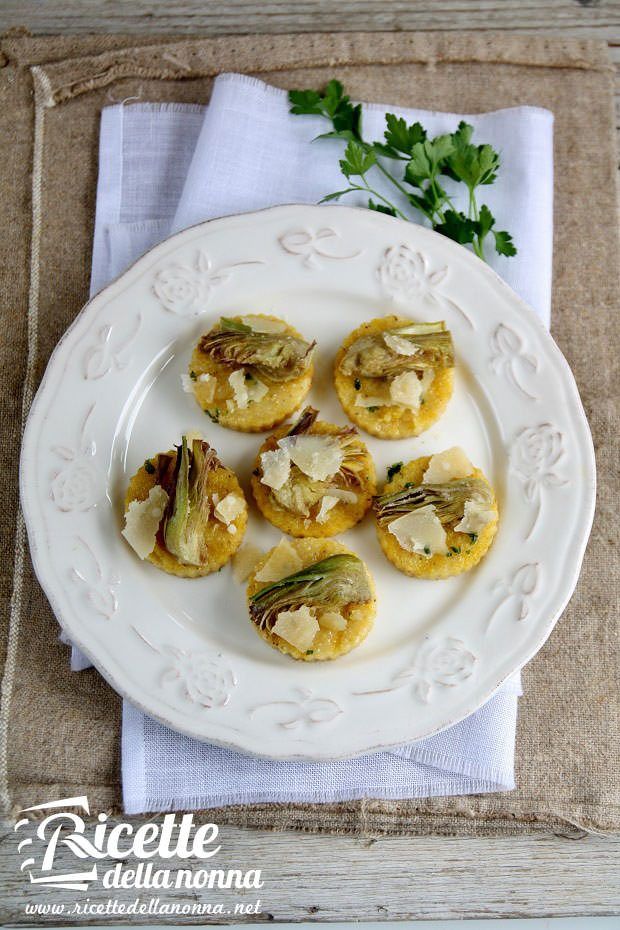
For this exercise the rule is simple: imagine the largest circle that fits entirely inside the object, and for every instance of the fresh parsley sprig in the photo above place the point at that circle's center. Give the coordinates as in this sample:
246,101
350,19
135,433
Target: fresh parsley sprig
426,162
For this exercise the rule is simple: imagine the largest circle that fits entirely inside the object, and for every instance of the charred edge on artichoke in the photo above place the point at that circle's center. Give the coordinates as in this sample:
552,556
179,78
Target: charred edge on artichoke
275,356
371,357
332,583
448,500
185,477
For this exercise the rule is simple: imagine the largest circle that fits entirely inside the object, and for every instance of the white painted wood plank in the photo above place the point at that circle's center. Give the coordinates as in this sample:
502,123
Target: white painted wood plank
323,878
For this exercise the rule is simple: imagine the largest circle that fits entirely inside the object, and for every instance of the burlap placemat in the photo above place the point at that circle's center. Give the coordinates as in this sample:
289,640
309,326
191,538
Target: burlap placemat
59,732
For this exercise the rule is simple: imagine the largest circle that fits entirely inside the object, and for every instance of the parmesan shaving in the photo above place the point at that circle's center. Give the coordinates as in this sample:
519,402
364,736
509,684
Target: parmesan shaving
282,562
406,390
244,561
420,531
297,627
142,520
229,508
451,465
275,466
328,502
319,457
330,620
399,345
476,516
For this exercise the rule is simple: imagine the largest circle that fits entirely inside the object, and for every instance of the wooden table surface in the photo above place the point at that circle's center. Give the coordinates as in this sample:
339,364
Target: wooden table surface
404,878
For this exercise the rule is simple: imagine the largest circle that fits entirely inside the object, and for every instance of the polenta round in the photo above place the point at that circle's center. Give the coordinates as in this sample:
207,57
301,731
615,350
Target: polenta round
328,643
252,402
463,550
285,507
218,540
382,418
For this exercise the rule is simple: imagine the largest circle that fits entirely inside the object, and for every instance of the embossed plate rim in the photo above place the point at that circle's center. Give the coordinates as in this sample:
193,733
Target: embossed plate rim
315,709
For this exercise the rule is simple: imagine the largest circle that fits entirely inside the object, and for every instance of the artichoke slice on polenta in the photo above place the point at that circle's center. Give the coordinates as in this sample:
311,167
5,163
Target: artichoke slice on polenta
184,511
394,377
437,516
312,599
314,478
250,372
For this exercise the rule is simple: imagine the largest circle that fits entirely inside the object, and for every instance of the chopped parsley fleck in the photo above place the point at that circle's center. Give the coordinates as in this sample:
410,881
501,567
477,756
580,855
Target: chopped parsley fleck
149,467
456,549
214,415
473,537
393,470
372,409
409,484
427,550
357,384
309,652
193,375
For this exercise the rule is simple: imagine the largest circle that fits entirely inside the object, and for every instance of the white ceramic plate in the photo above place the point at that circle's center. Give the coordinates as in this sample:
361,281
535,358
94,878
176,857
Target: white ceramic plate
184,650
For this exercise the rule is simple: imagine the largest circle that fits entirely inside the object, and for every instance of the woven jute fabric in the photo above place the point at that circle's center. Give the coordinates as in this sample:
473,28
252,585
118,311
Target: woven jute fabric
59,732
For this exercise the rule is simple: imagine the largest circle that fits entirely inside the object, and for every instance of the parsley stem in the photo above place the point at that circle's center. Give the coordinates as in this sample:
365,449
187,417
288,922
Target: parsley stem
387,202
391,178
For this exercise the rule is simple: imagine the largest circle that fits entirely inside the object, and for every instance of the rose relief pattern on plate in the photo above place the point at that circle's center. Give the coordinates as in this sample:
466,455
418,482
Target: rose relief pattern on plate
76,487
510,359
88,574
105,354
534,455
185,289
296,712
204,676
313,245
444,663
518,592
404,274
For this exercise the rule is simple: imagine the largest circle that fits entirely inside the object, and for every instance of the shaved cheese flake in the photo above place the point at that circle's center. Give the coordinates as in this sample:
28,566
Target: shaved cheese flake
317,456
256,390
362,400
450,465
208,385
244,561
331,620
282,562
246,390
349,497
187,383
477,515
229,508
237,383
297,627
420,531
328,502
428,376
399,345
275,466
261,324
142,520
406,390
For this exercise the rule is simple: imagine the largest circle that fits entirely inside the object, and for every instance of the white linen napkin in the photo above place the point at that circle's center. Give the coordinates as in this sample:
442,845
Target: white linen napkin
166,166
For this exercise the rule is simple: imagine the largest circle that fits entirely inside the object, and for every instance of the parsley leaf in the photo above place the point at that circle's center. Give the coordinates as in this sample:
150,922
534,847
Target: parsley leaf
504,244
458,227
401,137
357,160
451,155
